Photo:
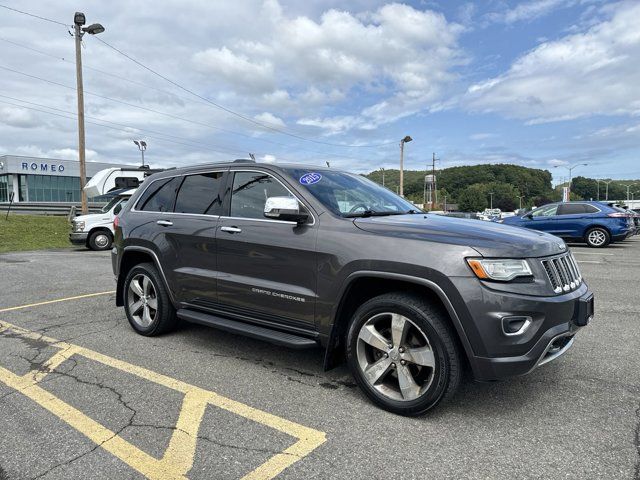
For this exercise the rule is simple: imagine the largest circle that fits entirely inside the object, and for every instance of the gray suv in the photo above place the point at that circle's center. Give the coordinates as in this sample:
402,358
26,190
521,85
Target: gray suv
312,257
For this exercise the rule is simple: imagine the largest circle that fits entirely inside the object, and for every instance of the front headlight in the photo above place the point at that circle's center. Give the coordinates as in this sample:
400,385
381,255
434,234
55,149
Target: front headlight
499,269
78,226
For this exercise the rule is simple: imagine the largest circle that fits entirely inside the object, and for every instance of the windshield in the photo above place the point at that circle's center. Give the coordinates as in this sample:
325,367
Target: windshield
351,195
110,205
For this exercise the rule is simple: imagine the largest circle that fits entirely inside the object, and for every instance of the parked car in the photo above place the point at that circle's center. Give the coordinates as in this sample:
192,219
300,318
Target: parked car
594,223
305,257
95,230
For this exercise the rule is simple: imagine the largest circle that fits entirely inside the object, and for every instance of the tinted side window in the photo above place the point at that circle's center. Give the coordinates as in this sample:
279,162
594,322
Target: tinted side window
200,194
590,209
160,195
545,211
251,190
571,209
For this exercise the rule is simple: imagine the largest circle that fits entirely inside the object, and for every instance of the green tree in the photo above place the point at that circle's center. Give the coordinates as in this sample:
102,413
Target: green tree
472,199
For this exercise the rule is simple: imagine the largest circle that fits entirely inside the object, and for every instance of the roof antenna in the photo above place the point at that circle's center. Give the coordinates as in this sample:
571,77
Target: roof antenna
252,157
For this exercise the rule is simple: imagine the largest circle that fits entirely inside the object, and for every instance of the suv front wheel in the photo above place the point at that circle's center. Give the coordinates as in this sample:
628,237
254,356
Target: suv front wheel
147,303
403,353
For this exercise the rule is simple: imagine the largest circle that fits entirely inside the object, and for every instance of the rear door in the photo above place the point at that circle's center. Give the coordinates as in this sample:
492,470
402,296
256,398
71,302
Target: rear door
192,237
572,219
267,268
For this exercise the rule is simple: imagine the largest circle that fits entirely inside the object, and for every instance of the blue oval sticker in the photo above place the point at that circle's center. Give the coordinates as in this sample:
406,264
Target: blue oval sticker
310,178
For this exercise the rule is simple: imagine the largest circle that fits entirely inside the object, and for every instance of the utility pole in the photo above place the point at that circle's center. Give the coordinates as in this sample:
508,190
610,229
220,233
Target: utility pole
433,180
78,21
402,142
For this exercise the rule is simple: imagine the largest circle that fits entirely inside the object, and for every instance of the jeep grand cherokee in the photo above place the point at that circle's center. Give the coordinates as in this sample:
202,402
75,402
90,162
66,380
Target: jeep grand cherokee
305,257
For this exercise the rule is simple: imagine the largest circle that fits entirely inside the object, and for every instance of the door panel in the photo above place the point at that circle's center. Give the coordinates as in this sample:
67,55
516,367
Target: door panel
265,267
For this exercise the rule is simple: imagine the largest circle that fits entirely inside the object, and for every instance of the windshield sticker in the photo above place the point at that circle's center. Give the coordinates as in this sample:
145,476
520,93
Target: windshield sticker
310,178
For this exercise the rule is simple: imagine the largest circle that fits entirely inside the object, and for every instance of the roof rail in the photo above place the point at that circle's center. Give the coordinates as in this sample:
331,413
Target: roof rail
244,160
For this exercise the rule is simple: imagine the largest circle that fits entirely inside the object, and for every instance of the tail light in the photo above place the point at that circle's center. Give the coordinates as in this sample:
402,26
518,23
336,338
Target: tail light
618,215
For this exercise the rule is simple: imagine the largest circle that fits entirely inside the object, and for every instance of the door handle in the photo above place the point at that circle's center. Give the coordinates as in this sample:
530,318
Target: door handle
164,223
231,229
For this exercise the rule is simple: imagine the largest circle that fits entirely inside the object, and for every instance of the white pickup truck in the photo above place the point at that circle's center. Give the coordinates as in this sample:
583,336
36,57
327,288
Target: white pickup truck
95,230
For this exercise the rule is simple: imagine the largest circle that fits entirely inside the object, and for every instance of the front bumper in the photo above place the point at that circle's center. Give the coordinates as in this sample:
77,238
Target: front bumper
553,322
79,238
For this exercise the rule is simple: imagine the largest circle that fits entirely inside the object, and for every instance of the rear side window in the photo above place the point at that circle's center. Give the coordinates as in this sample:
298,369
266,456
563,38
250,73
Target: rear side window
200,194
250,192
571,209
590,209
160,195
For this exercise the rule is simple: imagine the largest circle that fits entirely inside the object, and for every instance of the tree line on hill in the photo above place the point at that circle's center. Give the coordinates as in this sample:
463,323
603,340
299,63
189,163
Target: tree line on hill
469,187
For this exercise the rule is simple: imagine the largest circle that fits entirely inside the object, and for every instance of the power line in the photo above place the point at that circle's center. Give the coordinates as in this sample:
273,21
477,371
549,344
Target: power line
158,112
232,112
35,16
217,105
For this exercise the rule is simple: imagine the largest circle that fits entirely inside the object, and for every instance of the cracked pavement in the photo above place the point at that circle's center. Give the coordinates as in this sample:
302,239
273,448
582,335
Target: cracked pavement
577,418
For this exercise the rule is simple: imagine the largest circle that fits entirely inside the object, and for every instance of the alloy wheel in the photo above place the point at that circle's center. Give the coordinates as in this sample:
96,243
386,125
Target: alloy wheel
395,356
597,237
142,300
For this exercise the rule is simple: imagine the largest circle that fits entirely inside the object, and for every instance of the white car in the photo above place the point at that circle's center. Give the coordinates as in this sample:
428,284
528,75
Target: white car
95,230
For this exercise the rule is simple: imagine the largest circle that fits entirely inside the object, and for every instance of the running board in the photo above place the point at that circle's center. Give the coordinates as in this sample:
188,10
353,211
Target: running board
247,329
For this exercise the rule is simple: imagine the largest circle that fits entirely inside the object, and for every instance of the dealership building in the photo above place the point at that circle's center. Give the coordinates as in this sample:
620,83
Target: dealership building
49,180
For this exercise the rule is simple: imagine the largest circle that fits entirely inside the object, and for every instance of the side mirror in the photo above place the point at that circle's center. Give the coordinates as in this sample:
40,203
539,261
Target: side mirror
284,208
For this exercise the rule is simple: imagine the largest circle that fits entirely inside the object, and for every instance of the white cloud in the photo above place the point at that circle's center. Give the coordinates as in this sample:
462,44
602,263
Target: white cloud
270,119
18,117
590,73
482,136
528,11
236,69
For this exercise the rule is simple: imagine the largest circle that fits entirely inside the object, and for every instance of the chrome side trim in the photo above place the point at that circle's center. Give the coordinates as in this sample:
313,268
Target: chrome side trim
525,326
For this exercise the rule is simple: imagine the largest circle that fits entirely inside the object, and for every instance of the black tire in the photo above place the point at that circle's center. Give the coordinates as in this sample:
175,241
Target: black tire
100,240
165,319
427,319
597,237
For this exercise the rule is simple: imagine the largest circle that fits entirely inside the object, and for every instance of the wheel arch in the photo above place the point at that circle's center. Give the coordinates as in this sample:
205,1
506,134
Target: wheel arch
597,225
361,286
132,256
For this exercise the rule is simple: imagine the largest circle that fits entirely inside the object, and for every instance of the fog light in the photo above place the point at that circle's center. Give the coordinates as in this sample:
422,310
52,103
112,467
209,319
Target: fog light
516,325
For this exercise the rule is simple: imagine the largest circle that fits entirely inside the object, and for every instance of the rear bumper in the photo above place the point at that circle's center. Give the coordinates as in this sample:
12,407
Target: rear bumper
79,238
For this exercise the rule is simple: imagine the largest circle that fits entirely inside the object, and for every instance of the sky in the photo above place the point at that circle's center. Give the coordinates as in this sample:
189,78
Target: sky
539,83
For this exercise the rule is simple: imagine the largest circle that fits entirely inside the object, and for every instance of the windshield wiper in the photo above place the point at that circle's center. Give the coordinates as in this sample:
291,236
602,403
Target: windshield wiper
371,213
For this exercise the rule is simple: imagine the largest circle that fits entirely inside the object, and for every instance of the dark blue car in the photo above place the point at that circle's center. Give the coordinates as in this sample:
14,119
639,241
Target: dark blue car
594,223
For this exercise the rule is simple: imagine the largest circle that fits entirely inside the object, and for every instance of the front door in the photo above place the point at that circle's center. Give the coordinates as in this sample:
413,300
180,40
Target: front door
266,268
543,219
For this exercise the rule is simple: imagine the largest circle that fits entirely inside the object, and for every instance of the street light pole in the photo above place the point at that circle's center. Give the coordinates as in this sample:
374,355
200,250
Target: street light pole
606,196
402,142
520,197
570,168
142,146
78,30
491,195
628,187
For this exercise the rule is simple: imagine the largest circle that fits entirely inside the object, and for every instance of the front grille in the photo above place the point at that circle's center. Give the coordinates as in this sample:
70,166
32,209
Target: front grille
563,273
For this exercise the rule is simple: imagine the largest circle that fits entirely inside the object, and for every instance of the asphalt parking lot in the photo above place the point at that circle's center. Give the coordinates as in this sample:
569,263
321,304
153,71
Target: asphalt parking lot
83,396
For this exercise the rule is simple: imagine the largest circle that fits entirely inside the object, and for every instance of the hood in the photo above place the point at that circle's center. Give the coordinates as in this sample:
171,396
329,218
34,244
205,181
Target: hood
490,239
91,217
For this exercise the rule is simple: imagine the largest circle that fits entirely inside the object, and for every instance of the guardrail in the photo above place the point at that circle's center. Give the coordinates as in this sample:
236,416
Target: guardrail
69,209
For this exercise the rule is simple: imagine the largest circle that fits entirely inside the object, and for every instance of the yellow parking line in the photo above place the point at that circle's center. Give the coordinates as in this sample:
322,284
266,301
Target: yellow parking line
178,459
10,309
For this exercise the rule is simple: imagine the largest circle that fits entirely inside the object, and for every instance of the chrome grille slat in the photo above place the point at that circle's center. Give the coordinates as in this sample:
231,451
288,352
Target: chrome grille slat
563,272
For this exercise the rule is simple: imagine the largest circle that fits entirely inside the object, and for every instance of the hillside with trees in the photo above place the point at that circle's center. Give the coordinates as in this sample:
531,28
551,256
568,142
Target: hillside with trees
469,186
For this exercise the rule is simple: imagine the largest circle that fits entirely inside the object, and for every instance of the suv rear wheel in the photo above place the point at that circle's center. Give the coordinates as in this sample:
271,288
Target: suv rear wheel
147,304
403,353
597,237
